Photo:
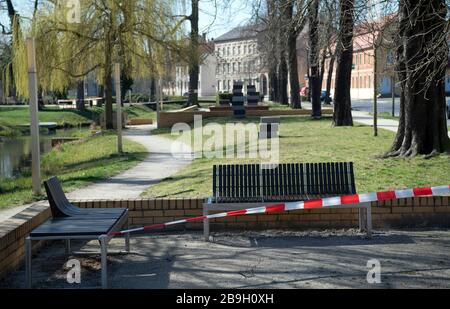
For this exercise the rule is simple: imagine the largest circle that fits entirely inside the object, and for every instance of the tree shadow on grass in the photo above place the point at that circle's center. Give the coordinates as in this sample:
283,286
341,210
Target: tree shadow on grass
104,160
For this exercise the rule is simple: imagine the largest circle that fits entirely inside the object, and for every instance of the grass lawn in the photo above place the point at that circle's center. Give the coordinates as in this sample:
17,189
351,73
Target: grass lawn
77,165
305,140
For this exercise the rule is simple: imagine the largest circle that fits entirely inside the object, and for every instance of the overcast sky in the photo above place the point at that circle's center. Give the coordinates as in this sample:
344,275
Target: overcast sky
229,14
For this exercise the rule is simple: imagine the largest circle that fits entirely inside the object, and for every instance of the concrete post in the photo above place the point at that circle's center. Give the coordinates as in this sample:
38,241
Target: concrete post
119,107
158,103
34,123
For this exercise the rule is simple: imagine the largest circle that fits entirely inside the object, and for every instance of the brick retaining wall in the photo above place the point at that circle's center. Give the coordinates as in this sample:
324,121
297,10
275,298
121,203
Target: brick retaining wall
413,212
168,119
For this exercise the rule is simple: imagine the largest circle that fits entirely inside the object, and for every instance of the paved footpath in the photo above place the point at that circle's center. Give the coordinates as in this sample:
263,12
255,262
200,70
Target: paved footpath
367,119
165,158
161,163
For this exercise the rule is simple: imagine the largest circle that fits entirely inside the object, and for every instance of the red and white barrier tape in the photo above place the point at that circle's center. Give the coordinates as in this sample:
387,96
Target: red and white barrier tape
312,204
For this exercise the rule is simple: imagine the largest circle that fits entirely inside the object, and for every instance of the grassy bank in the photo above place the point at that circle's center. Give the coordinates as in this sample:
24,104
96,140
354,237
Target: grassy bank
12,117
19,116
305,140
77,165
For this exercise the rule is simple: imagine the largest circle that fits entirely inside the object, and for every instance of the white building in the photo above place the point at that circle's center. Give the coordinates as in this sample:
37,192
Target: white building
238,59
207,75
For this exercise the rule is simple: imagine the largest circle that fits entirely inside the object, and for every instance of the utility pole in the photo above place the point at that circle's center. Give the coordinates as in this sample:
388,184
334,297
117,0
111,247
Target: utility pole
34,124
119,107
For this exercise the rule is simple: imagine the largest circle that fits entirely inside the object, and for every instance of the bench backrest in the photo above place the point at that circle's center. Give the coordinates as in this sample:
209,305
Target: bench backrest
59,204
253,183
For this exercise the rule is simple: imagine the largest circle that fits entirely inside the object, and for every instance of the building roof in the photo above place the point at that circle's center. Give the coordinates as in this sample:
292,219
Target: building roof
207,48
238,33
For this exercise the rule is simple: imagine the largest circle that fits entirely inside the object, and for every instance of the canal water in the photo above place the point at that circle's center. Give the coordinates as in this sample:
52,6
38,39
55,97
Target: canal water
15,153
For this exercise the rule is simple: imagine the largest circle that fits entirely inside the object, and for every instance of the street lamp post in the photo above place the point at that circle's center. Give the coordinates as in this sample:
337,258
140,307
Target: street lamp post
34,123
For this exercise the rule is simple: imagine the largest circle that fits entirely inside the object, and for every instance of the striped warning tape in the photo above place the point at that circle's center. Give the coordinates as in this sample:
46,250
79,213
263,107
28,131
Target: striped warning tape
312,204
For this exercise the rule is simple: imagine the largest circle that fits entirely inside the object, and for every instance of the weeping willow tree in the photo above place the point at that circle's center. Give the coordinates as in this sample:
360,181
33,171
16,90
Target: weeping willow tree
136,33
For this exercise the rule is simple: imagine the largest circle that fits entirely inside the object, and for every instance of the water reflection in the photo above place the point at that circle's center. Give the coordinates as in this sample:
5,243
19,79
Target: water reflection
15,154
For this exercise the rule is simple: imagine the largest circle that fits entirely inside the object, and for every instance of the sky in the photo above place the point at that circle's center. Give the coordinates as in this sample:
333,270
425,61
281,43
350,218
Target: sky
227,16
216,16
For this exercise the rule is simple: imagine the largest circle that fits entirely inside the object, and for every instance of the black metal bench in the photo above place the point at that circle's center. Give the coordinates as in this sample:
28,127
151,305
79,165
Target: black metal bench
237,187
72,223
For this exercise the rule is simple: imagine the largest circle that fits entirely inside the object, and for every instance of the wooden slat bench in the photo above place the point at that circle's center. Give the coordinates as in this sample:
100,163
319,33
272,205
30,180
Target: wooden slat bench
72,223
238,187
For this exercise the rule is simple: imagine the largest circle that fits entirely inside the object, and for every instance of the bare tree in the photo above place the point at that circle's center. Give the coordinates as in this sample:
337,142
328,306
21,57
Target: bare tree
342,99
422,57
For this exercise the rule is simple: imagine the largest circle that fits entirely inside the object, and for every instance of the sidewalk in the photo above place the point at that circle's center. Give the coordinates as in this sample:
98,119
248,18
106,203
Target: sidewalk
367,119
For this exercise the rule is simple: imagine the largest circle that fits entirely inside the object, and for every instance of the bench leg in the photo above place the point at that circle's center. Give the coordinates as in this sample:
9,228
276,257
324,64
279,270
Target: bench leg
205,224
369,220
127,240
68,249
362,218
28,270
104,258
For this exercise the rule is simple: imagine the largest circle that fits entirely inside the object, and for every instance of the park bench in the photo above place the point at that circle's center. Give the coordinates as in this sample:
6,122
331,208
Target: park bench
69,222
237,187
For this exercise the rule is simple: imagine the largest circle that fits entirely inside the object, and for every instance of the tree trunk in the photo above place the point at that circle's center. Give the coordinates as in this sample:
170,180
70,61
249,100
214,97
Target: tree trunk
101,94
194,68
108,92
296,102
315,86
80,95
283,79
423,51
330,79
153,89
342,98
273,84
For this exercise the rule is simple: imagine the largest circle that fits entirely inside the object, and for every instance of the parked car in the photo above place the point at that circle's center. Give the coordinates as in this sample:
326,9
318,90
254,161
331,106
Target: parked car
324,98
304,92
